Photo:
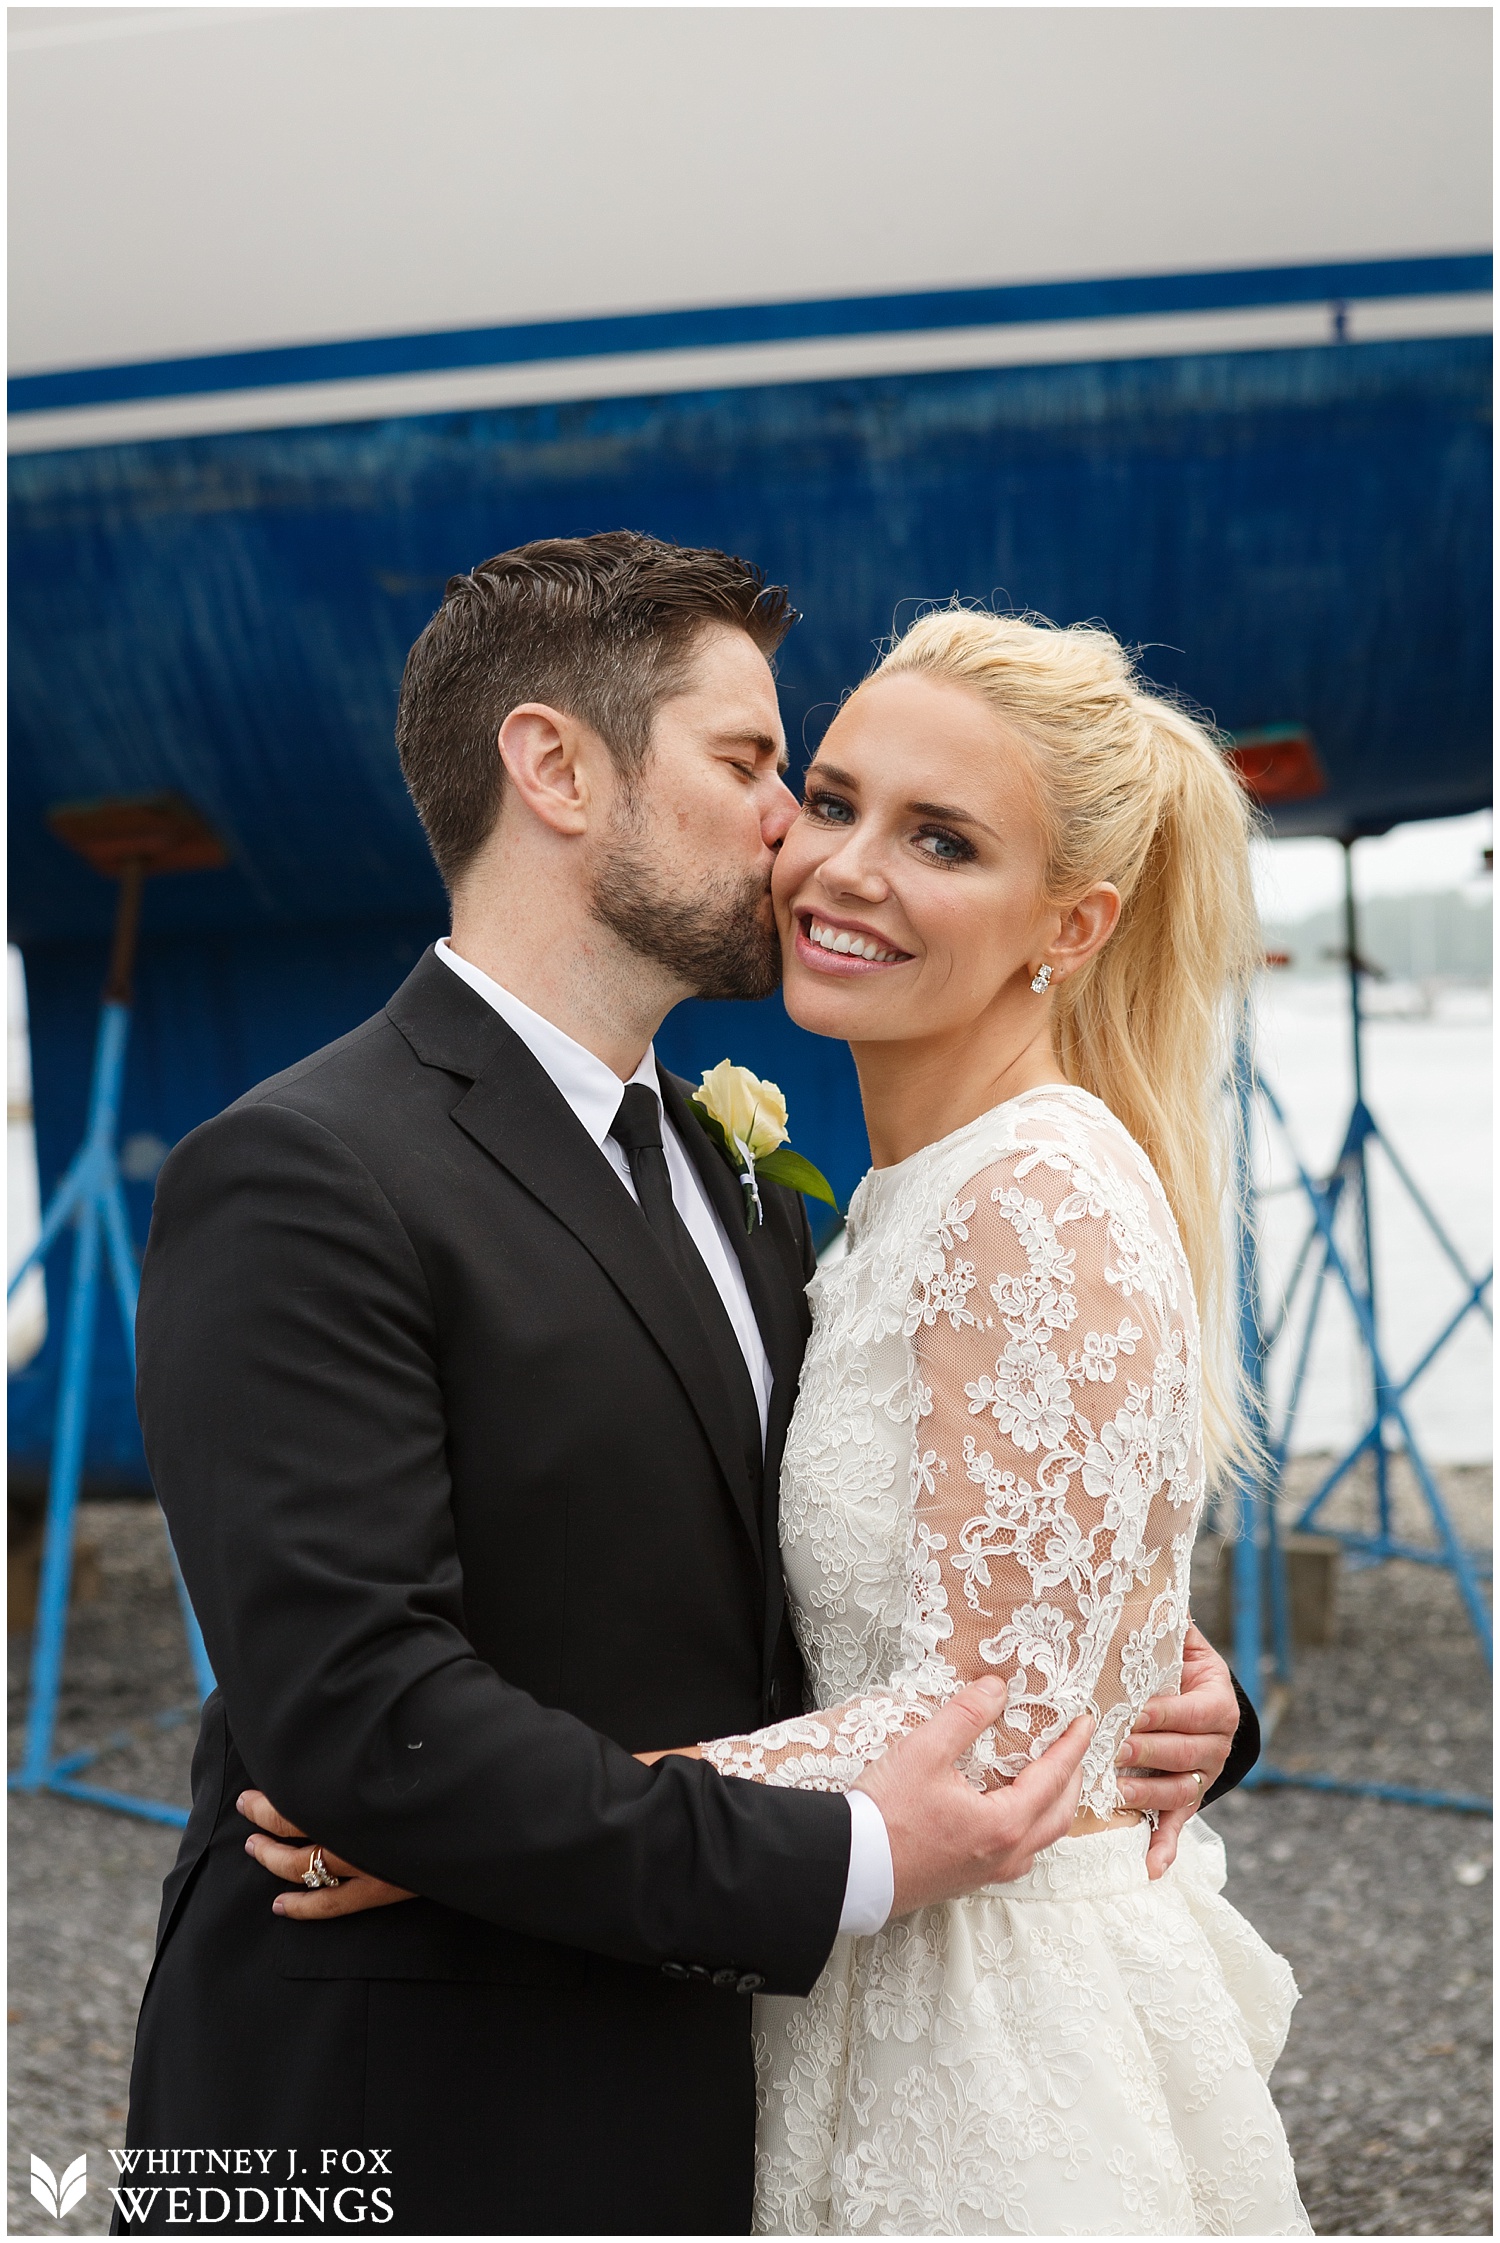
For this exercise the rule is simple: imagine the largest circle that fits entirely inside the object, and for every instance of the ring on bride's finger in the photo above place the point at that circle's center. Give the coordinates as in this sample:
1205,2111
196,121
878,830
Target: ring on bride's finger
315,1876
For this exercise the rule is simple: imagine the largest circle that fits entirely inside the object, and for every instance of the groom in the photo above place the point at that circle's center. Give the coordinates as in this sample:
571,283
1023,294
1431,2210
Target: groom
464,1390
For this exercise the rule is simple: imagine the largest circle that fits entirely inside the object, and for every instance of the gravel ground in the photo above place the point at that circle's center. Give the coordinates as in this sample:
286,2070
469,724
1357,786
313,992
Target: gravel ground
85,1885
1382,1909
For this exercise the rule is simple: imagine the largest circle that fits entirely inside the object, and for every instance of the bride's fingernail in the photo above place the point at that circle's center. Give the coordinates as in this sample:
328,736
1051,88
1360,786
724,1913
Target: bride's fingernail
278,1907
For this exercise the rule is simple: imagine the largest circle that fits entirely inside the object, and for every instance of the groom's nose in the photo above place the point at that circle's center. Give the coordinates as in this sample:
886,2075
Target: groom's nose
776,818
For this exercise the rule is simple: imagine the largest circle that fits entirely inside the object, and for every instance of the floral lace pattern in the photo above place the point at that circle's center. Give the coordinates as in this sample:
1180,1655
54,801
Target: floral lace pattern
995,1466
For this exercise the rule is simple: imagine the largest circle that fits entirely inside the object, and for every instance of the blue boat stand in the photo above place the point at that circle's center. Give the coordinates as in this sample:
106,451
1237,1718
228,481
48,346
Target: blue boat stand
1257,1557
90,1201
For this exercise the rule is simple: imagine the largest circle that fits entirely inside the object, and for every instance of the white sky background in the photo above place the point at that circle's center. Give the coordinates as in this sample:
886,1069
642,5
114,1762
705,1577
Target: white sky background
1293,878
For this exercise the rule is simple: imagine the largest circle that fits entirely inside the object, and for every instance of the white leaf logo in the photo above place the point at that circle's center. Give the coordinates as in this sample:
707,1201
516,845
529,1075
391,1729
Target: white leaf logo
44,2185
73,2186
59,2197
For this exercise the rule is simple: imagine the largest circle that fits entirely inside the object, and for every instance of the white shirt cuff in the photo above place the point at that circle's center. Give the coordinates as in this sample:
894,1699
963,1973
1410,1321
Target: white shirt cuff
871,1888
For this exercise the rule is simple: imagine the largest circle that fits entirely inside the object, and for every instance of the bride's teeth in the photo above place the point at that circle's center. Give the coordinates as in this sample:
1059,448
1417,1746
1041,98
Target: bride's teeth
854,946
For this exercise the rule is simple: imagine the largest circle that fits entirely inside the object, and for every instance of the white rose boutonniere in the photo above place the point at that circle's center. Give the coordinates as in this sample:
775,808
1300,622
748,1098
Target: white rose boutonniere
746,1118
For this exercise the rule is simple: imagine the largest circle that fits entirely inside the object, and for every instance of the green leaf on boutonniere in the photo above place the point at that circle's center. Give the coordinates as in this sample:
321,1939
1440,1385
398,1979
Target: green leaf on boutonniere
786,1167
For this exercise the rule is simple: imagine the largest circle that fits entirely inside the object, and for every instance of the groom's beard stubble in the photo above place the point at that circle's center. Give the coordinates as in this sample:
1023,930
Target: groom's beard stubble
723,943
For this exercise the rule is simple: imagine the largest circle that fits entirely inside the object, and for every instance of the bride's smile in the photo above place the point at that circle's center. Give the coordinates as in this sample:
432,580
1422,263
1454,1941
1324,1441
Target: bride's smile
838,946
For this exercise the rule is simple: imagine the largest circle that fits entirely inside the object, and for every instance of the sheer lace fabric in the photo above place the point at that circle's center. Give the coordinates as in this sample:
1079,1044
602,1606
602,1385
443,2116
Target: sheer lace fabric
995,1466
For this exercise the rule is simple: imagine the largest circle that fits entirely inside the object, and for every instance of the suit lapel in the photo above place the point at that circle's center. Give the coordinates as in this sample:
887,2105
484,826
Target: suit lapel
517,1115
780,1311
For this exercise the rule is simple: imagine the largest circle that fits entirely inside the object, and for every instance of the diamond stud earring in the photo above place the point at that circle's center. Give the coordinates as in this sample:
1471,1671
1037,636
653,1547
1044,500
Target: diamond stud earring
1040,978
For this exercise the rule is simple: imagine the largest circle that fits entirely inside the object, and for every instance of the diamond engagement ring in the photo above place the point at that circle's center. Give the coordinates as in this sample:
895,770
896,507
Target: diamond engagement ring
315,1876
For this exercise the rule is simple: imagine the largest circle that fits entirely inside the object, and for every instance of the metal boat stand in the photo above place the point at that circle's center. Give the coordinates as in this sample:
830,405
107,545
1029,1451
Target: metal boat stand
1263,1653
128,841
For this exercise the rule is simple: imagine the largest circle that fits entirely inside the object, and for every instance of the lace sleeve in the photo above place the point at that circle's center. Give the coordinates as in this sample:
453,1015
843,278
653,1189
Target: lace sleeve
1056,1473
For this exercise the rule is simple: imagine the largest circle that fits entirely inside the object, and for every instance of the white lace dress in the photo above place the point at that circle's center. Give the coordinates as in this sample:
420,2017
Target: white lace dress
996,1466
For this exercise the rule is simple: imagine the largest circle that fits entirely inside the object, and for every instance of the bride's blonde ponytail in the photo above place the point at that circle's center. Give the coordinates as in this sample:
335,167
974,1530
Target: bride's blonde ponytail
1134,791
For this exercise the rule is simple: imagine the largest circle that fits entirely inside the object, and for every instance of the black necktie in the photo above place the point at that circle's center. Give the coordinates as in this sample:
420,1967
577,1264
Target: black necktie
636,1128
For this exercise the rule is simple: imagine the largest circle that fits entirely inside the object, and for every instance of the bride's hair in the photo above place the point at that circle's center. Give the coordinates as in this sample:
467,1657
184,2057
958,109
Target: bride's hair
1133,790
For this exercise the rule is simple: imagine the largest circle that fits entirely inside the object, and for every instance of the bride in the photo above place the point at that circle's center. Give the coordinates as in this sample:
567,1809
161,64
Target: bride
1019,888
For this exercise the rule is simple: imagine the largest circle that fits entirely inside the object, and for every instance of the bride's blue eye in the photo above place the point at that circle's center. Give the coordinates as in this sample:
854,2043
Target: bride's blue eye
943,844
831,808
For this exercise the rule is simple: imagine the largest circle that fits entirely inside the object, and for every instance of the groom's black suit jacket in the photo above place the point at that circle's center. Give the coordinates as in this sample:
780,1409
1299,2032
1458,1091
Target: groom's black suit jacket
457,1490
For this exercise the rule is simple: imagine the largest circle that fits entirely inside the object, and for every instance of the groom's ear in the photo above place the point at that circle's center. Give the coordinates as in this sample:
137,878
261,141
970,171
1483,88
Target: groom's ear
554,764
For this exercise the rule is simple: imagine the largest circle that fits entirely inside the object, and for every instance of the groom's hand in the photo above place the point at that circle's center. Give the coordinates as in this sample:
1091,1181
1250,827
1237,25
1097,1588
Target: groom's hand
947,1839
1177,1749
287,1853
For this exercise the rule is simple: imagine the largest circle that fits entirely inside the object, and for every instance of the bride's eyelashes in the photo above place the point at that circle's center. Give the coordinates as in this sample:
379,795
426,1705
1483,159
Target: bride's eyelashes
939,844
828,809
948,847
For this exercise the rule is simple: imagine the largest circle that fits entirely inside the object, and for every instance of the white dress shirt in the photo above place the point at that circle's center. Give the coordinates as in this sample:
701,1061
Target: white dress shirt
594,1090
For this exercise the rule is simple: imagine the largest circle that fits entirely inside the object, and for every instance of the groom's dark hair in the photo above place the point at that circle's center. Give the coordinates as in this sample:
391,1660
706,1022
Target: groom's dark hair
601,627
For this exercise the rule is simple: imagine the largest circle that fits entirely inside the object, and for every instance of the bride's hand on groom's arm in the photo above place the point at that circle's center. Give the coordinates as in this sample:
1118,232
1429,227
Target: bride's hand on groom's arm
1177,1750
946,1838
278,1845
